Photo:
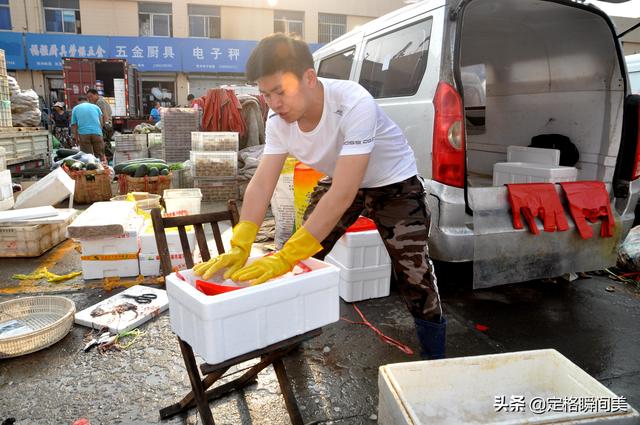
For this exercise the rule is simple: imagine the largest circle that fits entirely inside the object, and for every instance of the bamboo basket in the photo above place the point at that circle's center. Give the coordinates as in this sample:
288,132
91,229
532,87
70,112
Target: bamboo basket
91,186
156,184
50,317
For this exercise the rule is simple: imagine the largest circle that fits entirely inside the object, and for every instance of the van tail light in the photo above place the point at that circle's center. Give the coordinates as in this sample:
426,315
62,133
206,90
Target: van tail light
448,155
636,164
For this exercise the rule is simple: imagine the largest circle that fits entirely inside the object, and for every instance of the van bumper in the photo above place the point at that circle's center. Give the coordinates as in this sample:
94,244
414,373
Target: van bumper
502,254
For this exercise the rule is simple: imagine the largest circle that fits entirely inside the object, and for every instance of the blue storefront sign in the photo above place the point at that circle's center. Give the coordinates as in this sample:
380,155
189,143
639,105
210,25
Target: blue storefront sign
45,51
148,53
207,55
11,43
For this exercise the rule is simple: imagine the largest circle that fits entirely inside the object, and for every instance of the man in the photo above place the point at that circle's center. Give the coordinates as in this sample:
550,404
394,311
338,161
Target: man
96,99
154,115
337,128
190,99
86,122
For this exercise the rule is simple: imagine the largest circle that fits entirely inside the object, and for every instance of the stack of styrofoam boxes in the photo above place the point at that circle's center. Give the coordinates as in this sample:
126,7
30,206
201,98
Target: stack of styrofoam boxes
115,256
149,257
365,266
5,95
156,145
130,146
6,190
178,123
532,165
214,164
120,97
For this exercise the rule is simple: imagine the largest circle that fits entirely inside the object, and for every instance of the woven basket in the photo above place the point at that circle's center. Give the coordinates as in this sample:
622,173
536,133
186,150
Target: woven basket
156,184
91,186
50,317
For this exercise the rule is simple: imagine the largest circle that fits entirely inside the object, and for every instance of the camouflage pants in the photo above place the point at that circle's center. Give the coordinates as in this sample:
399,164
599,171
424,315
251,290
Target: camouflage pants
403,220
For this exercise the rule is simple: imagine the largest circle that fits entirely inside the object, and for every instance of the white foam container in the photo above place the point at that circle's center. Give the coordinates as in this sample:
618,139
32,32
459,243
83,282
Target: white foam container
525,172
533,155
129,241
148,239
463,390
231,324
150,263
360,249
50,190
188,200
363,283
99,269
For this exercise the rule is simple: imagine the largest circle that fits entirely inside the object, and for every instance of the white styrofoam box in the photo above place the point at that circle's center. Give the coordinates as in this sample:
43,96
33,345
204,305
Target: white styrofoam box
525,172
50,190
150,263
362,283
223,326
148,238
361,249
6,186
533,155
99,269
6,204
188,200
128,242
422,392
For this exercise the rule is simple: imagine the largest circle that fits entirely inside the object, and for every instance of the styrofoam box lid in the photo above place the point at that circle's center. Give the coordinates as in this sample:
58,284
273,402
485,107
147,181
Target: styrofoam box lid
365,273
252,297
534,155
479,379
182,193
536,170
50,190
357,239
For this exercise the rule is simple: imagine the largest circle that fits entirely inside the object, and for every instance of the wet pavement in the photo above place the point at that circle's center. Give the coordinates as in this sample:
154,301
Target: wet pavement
334,375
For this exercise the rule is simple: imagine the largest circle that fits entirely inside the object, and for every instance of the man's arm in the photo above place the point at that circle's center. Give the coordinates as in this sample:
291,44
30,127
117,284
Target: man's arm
258,193
347,177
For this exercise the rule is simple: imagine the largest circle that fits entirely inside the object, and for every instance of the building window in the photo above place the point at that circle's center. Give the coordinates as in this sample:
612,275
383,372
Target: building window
204,21
155,19
331,27
62,16
337,66
5,15
288,22
394,63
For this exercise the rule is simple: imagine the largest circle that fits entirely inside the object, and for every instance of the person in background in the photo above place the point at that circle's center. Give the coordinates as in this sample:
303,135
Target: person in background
60,119
154,115
86,123
96,99
190,99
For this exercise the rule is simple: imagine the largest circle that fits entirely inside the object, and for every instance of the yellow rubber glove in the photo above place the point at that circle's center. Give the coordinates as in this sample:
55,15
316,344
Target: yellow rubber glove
244,234
300,246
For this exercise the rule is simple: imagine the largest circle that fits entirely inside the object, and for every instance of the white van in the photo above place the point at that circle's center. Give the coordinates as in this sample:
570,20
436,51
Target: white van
633,67
470,80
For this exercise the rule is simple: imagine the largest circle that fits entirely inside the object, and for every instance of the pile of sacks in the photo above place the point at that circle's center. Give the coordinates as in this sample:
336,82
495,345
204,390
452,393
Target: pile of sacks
25,107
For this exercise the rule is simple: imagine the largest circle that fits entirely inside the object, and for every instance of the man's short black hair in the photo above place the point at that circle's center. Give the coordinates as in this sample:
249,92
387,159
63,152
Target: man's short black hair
279,53
92,91
190,97
82,98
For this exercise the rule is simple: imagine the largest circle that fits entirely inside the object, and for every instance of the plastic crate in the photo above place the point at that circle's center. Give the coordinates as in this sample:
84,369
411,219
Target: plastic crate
227,325
526,172
214,141
188,200
217,189
363,283
3,159
32,241
130,142
464,390
214,164
154,139
122,156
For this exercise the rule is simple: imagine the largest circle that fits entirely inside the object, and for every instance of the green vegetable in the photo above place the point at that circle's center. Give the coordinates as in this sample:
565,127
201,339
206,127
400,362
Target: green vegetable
153,171
142,171
92,166
118,168
77,166
176,166
164,172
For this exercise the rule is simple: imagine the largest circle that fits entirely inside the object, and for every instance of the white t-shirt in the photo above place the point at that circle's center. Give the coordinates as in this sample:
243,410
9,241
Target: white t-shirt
352,123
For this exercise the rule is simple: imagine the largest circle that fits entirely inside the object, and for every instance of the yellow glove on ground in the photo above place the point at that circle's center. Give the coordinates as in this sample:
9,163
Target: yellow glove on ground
243,236
300,246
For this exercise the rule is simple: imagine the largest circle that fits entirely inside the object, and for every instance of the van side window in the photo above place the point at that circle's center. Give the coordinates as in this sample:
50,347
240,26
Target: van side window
394,63
337,66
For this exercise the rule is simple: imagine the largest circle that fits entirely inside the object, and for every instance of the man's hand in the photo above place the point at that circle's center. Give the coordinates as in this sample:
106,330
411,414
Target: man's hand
243,236
300,246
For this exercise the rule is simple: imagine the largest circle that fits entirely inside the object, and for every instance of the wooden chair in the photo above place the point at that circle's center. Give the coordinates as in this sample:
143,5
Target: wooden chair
200,394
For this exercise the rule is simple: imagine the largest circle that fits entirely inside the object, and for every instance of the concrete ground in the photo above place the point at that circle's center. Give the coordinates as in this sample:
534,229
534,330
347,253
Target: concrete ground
334,375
